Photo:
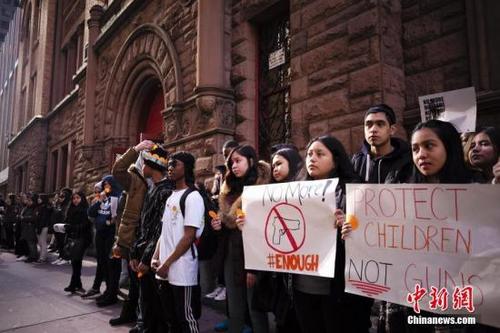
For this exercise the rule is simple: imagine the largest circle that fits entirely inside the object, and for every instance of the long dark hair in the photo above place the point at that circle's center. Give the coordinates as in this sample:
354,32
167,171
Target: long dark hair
250,178
343,168
84,204
454,169
295,163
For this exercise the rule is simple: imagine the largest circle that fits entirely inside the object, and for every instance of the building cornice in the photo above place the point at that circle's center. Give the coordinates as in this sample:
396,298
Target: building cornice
117,22
29,125
65,101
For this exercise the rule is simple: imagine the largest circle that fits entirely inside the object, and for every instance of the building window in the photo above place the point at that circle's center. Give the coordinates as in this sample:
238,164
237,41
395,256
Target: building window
274,83
21,178
61,167
32,100
26,33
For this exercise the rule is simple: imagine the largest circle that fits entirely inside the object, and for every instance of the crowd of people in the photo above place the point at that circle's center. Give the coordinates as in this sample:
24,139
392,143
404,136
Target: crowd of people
152,213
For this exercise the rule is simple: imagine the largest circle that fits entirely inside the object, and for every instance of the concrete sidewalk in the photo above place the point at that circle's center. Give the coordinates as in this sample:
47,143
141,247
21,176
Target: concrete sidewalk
32,300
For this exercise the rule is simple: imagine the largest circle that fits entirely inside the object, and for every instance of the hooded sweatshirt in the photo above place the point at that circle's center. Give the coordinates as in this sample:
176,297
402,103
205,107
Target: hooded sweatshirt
392,168
103,211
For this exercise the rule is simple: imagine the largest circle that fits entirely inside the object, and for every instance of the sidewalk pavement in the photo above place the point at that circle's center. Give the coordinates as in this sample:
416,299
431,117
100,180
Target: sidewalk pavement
32,299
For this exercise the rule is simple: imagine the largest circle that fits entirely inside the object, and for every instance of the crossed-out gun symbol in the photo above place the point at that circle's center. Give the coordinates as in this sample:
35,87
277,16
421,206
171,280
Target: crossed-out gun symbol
279,231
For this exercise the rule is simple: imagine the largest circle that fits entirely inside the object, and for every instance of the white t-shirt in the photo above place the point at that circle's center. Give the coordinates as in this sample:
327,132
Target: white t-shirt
184,271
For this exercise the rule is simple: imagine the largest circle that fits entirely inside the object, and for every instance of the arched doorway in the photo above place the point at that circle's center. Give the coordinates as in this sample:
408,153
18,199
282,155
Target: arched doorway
151,119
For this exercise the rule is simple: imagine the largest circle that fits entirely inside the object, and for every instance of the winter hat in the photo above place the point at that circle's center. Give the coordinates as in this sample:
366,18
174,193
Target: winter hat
156,158
98,186
387,110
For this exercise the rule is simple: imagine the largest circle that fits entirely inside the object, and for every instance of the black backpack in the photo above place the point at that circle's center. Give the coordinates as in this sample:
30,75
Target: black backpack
206,244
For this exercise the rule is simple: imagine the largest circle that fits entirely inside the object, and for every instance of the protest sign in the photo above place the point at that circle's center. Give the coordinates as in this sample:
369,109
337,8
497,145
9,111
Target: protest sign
289,227
440,237
456,106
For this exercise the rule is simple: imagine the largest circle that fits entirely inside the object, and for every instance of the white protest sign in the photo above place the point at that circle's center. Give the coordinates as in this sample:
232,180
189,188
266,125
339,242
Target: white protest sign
443,236
289,227
456,106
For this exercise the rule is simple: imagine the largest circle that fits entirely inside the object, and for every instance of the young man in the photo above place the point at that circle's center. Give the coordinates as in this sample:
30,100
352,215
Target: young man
176,257
128,172
382,159
154,168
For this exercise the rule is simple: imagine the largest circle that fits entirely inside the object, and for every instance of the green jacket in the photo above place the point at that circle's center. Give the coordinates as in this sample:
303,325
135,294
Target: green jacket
134,184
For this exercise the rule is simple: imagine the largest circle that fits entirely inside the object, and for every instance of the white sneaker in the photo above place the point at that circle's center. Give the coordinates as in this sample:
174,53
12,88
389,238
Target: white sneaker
214,293
63,262
56,262
21,258
221,296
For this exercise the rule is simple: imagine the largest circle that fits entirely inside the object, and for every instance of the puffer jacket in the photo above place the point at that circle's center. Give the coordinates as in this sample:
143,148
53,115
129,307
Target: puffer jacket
228,205
393,168
135,186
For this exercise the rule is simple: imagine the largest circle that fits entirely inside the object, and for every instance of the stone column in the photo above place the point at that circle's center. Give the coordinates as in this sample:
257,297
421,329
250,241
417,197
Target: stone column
90,82
214,97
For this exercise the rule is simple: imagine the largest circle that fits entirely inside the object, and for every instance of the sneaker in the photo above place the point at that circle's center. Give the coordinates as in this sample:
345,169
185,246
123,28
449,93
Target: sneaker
223,326
214,293
91,292
107,301
56,262
80,291
21,258
63,262
70,289
221,296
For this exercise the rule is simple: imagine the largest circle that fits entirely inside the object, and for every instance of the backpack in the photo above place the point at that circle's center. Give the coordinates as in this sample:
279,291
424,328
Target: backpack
206,244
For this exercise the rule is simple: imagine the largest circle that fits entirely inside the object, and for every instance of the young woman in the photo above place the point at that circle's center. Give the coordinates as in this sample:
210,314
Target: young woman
28,219
78,227
484,151
44,212
286,166
437,154
320,303
243,169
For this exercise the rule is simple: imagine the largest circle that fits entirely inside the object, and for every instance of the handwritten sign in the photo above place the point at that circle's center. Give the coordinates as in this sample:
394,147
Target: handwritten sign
433,236
290,227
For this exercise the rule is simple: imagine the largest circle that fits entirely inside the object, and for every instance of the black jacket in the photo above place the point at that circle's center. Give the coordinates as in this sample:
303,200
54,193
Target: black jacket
393,168
77,224
150,228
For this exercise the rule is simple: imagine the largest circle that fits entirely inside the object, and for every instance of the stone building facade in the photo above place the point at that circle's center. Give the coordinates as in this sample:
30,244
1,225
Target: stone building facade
192,74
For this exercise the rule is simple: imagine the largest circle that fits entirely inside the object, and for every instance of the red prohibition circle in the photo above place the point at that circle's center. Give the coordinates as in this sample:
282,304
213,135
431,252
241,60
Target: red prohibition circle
295,245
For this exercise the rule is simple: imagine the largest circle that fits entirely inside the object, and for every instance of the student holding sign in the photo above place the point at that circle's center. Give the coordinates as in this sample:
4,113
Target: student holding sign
286,166
243,169
318,300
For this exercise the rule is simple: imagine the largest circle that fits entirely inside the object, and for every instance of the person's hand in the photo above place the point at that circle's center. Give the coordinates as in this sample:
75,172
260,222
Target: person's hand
339,218
251,280
155,263
496,172
143,268
163,271
144,145
116,252
240,222
216,224
346,230
133,264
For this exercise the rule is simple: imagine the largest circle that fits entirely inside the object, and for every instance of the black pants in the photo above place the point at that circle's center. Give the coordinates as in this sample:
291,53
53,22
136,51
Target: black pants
316,313
181,306
9,235
150,305
76,265
355,312
21,247
108,269
60,238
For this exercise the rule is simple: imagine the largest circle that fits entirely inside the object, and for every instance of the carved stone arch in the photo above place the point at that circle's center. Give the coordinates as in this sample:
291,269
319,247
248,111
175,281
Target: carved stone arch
148,52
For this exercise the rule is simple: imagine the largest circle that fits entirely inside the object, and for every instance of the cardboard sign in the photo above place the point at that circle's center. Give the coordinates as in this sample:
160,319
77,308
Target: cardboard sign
445,237
289,227
456,106
276,58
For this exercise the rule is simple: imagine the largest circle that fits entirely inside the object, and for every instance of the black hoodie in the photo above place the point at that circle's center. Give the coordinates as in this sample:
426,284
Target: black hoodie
392,168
